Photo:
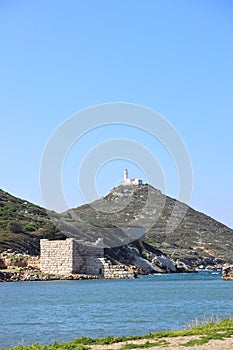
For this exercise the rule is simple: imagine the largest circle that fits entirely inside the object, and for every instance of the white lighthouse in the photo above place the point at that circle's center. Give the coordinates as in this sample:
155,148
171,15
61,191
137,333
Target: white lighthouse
128,181
126,175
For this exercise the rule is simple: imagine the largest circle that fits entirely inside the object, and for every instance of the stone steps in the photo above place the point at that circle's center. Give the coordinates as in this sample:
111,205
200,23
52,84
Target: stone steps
118,271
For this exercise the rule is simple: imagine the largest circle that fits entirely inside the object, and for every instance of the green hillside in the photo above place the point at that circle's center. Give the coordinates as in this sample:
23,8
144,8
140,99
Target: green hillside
22,224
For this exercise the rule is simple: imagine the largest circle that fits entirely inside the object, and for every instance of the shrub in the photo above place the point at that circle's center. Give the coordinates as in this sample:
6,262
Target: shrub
15,227
30,226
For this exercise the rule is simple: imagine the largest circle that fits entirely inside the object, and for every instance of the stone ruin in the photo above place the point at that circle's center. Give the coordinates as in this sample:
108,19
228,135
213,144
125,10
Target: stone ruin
71,256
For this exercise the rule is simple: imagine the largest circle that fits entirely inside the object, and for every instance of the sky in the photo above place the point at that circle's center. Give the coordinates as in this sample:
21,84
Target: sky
172,56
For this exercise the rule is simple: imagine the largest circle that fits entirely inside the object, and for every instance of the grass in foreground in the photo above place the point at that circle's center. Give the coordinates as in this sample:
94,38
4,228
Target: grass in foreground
212,330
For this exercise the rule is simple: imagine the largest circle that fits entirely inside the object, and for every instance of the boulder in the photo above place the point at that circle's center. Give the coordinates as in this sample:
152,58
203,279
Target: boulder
2,264
182,267
227,272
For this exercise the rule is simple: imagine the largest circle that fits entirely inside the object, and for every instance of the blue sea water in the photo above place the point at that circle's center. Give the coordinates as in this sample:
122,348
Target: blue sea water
60,311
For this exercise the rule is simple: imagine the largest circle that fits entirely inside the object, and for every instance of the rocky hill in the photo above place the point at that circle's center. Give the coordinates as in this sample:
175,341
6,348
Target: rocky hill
23,224
198,239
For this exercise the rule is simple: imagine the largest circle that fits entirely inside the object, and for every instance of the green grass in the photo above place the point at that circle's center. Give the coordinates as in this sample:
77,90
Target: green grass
146,345
205,339
211,330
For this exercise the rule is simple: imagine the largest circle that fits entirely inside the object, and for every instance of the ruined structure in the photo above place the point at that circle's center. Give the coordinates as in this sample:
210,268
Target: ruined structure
71,256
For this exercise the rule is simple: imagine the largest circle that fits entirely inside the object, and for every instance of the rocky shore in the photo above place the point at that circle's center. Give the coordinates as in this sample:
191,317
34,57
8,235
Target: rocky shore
227,272
21,276
15,267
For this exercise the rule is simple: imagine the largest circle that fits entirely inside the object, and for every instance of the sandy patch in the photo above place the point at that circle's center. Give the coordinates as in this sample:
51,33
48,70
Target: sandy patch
175,343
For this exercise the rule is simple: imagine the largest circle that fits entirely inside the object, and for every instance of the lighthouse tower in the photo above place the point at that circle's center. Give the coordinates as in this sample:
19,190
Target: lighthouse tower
128,181
126,175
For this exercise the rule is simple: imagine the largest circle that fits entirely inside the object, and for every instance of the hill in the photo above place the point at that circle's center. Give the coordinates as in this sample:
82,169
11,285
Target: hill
198,239
23,224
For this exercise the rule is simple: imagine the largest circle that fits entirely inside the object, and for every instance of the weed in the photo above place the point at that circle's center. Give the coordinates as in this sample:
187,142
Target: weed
146,345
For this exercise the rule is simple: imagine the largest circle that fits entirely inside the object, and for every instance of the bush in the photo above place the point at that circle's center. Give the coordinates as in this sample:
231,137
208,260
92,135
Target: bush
15,227
29,227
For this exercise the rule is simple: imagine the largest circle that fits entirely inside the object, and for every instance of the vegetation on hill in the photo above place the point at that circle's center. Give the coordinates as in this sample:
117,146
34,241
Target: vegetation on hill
22,224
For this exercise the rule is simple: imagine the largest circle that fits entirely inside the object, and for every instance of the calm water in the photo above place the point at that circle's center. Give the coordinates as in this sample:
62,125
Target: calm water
47,311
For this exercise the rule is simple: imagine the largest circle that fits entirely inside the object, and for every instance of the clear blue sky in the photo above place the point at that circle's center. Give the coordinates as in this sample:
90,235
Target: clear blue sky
176,57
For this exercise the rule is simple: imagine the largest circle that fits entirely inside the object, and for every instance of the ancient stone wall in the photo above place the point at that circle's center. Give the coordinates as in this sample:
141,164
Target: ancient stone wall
71,256
79,257
56,257
86,257
118,271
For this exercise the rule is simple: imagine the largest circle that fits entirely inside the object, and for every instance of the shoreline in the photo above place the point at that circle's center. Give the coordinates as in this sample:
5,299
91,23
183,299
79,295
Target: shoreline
8,276
213,335
37,276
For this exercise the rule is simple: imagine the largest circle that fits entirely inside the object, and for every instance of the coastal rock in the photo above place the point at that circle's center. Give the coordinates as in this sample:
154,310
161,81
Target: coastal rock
182,267
11,260
2,264
143,257
227,272
165,263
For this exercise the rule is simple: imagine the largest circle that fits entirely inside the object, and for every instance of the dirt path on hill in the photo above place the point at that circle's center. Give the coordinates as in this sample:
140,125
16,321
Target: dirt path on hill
174,343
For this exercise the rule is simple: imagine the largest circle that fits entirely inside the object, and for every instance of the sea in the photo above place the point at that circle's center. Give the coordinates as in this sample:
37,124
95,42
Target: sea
45,312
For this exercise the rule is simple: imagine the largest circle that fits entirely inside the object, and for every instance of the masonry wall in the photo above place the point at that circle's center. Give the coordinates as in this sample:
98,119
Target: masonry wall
56,257
71,256
118,271
86,257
